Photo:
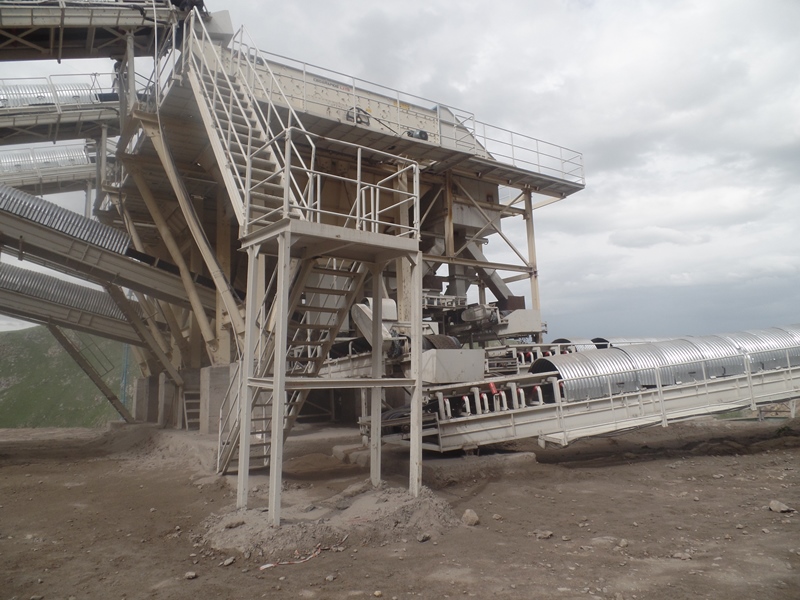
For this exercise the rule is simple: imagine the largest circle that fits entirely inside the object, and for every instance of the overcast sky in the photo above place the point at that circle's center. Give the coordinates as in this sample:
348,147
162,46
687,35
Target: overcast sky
687,115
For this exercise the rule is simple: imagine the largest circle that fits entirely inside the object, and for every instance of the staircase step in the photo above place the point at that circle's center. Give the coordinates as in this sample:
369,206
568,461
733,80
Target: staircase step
320,309
235,118
310,326
328,291
261,162
334,272
264,202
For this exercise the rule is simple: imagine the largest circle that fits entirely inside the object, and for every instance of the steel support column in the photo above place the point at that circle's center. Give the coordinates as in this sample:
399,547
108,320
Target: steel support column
377,373
415,458
535,303
246,392
214,270
177,256
284,268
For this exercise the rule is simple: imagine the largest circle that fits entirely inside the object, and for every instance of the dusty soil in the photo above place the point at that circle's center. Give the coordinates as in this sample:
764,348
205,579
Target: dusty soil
672,513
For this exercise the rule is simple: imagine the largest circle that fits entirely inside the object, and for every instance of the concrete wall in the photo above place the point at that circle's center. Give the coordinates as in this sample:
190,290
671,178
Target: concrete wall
214,382
168,402
145,399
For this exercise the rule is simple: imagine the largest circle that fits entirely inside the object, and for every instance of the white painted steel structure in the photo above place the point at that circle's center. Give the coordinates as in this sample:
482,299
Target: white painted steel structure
296,192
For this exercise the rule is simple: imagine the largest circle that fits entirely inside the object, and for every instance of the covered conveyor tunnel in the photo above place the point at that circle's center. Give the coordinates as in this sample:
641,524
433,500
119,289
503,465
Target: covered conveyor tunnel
40,231
41,298
629,368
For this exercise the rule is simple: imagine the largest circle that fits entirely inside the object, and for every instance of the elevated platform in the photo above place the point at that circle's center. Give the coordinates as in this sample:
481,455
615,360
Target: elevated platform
439,137
60,29
44,299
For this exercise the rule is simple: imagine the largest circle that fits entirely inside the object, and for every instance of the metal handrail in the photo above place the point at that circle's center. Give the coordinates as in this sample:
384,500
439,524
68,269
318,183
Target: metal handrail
445,125
27,92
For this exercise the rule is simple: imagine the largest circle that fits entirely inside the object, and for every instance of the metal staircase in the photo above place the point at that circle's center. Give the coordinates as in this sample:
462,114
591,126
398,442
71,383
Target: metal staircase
252,146
320,299
266,160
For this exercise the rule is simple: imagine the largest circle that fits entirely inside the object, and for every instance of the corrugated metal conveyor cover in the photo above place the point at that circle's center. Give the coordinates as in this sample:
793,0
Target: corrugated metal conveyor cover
29,161
722,358
647,358
58,291
39,94
792,330
55,217
591,374
580,344
684,362
768,348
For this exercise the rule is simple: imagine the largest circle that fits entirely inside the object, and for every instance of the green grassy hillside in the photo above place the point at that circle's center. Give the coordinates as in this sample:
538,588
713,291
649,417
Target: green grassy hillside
41,386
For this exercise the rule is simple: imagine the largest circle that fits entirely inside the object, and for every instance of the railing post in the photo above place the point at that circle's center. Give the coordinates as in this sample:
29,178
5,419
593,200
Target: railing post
287,173
749,372
660,389
359,195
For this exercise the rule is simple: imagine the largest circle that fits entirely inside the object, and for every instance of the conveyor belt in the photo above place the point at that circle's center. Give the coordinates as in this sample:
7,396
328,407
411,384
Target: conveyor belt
66,241
41,298
597,392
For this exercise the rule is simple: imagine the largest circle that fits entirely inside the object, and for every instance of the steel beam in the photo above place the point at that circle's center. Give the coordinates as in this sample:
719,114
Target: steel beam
177,256
216,273
125,306
91,372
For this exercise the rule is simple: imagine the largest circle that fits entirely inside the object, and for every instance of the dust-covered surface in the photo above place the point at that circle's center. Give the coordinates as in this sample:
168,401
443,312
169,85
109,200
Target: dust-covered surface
360,515
702,509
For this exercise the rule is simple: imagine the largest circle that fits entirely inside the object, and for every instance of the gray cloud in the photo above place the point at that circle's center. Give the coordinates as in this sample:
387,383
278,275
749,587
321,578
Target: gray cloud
687,114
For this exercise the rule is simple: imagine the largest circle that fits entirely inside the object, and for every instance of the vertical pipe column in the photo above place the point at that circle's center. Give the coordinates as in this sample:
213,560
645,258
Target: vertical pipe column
131,71
279,376
251,334
415,458
535,303
377,373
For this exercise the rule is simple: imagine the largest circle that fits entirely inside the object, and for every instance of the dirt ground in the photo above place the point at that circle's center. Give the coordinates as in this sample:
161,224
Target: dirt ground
681,512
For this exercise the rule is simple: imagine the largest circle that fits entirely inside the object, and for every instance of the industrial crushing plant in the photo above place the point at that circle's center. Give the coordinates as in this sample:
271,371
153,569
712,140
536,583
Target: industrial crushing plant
277,240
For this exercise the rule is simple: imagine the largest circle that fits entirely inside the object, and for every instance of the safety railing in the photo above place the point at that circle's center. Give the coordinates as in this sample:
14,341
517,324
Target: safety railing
151,91
375,203
38,161
316,90
57,92
279,129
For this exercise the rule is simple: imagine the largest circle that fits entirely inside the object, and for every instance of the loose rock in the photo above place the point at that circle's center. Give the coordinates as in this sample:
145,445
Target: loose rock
423,537
779,507
190,575
542,534
470,518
